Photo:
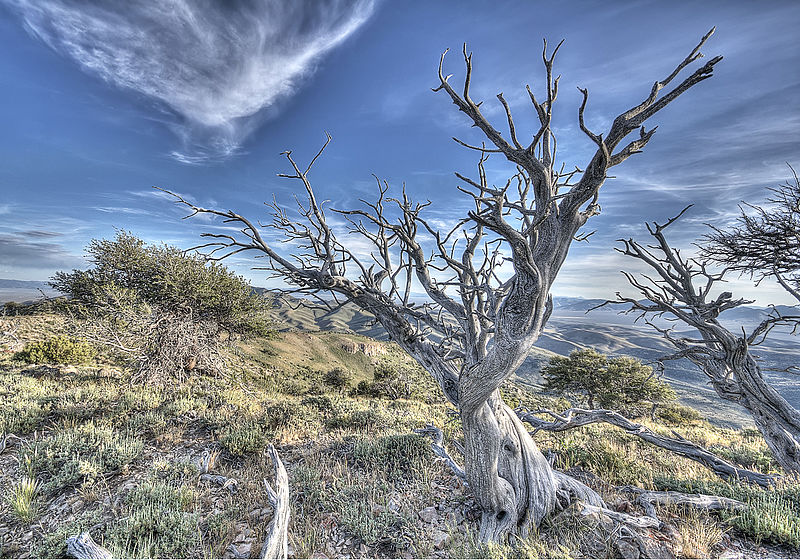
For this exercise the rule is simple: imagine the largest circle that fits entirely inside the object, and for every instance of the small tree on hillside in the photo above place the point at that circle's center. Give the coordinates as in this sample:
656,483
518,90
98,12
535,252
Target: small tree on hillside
479,322
164,310
619,383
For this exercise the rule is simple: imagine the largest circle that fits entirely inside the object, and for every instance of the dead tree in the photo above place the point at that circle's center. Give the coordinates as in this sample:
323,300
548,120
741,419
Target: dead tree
680,289
764,242
476,325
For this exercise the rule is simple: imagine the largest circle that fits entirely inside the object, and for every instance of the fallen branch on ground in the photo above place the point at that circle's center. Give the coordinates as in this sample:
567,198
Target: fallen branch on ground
83,546
577,417
648,499
276,543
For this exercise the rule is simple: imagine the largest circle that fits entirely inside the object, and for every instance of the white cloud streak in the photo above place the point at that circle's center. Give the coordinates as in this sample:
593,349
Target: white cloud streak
216,65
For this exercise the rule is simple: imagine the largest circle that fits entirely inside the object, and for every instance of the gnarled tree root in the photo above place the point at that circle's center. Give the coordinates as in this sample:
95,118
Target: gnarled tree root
576,417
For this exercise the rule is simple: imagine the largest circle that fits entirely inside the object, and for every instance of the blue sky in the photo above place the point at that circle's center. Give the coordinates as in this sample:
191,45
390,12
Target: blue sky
99,101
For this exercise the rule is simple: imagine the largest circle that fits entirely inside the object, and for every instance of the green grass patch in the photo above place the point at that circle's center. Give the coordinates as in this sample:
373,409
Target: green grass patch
58,350
395,455
159,522
80,454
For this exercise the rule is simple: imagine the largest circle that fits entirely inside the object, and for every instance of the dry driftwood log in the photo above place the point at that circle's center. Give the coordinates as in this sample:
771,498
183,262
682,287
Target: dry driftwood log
83,546
276,544
487,277
576,417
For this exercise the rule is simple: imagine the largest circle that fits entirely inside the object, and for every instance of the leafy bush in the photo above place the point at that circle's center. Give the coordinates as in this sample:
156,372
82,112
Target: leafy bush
337,378
244,437
159,522
167,277
679,415
396,454
58,350
253,434
618,383
391,382
160,309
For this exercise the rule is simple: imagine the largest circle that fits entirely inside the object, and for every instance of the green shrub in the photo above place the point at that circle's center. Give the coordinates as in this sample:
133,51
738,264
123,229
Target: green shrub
606,461
58,350
368,419
392,382
397,454
321,403
389,531
337,378
240,438
622,383
159,522
161,311
679,415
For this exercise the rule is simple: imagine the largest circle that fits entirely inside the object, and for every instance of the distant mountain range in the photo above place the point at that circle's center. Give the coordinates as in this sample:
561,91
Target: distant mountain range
23,290
574,326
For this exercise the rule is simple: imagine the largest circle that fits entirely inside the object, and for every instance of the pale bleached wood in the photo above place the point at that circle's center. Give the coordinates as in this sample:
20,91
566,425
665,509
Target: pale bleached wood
83,546
276,543
576,417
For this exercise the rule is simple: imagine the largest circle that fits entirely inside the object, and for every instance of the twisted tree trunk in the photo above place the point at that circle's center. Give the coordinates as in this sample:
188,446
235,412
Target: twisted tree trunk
723,356
508,475
775,418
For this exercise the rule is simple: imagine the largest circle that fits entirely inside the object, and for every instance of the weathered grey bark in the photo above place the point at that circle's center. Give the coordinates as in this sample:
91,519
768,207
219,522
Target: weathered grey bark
474,337
437,445
576,417
723,356
648,499
83,546
276,543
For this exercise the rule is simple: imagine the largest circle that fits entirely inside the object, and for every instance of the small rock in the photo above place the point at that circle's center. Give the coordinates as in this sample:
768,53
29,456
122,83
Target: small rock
627,549
241,537
244,549
429,514
393,505
440,539
76,506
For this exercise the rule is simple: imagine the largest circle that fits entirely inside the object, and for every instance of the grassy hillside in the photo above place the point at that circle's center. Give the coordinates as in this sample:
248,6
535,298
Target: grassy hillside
573,327
120,460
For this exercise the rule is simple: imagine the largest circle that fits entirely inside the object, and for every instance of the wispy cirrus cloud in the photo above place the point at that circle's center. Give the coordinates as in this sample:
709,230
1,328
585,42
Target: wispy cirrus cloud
216,65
